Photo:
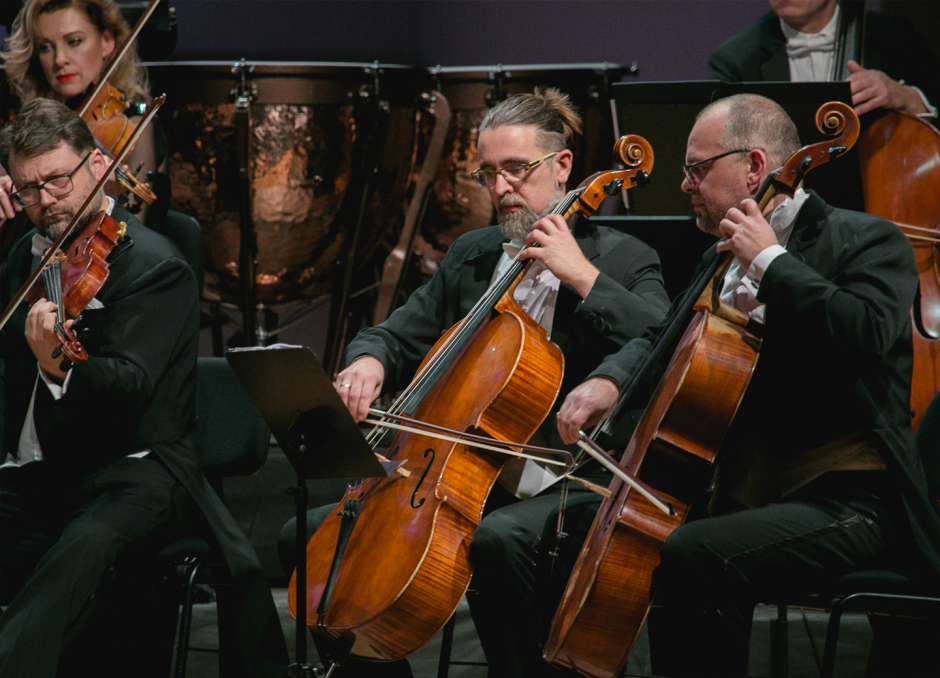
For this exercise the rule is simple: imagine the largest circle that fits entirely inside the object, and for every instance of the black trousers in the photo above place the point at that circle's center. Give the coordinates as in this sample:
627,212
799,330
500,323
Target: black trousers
511,570
61,533
713,571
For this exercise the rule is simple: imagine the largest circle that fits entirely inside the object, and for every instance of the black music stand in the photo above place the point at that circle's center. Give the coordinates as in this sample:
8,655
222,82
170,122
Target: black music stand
300,405
663,113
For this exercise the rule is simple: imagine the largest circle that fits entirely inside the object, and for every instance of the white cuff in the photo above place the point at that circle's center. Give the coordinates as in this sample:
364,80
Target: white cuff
762,261
931,111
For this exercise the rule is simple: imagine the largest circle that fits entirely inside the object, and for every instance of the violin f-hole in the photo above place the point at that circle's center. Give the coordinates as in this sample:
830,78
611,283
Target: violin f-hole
424,474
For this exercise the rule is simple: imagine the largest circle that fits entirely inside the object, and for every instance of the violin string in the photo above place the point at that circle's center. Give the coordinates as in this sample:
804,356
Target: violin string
52,277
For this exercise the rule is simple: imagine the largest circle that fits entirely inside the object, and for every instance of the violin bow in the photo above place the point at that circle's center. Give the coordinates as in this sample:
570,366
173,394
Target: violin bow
73,224
103,80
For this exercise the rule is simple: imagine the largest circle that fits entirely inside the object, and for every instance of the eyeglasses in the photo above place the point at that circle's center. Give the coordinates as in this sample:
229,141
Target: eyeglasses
58,187
691,176
486,176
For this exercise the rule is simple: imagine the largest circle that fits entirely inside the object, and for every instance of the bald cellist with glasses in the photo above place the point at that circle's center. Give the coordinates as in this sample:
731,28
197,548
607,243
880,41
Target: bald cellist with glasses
819,474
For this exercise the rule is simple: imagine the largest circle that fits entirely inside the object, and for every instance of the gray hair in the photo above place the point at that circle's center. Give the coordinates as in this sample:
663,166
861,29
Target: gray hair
756,122
42,126
548,110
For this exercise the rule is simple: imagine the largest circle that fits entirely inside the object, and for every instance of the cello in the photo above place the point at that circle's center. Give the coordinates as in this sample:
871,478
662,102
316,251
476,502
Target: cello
672,451
406,564
899,154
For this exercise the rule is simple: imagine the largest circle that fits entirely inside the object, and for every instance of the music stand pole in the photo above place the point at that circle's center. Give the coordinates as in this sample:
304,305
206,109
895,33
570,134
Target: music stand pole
318,435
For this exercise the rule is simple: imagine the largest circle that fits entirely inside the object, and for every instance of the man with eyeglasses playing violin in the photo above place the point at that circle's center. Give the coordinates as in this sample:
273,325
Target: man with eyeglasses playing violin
97,460
592,288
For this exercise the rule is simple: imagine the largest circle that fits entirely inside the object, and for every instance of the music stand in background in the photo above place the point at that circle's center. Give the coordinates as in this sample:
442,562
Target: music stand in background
315,430
663,113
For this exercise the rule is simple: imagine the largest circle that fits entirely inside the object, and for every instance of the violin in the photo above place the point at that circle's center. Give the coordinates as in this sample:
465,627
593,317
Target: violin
107,112
672,451
74,277
107,118
74,268
400,574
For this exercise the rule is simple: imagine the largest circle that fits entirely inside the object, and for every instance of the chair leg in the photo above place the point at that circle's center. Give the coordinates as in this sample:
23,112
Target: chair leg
447,644
779,643
832,639
191,567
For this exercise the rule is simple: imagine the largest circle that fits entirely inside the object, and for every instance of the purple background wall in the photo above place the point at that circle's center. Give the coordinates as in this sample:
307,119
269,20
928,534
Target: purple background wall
669,39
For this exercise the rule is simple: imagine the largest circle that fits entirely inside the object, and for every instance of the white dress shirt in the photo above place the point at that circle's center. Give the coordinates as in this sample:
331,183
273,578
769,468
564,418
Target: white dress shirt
739,287
536,294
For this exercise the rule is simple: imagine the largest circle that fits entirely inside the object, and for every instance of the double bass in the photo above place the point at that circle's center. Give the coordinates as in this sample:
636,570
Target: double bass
667,461
405,565
899,155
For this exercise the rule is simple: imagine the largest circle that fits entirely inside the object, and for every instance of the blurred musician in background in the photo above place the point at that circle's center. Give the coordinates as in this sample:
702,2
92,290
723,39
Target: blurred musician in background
796,40
819,473
98,467
592,287
58,49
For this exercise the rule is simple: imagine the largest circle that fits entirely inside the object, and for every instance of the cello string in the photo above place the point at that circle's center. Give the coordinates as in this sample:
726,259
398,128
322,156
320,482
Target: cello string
415,393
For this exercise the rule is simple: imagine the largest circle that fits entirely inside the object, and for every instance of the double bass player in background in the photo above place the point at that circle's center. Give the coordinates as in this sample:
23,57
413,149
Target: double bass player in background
592,287
819,474
795,42
98,466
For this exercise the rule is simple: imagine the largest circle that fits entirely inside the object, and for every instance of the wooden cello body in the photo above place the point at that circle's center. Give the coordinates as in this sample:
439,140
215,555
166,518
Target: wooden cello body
406,563
900,160
672,449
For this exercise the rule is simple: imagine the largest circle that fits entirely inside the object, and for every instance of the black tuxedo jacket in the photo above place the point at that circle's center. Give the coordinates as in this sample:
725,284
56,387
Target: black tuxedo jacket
627,297
836,356
136,391
758,54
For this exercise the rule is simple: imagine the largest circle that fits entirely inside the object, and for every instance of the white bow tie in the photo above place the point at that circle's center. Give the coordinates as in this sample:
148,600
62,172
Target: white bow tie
40,244
804,44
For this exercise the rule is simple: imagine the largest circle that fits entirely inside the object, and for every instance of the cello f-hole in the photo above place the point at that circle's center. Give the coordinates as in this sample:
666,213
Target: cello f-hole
424,473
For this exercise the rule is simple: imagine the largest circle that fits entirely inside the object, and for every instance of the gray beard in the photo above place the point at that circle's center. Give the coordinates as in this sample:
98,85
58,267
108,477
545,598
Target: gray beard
517,225
55,229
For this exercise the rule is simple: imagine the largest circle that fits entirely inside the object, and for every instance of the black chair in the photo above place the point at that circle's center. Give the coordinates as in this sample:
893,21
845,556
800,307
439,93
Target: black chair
882,592
447,645
232,440
186,233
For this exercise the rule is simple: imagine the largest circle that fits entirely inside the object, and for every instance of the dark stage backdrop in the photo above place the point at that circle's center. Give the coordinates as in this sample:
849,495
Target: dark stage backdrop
669,39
